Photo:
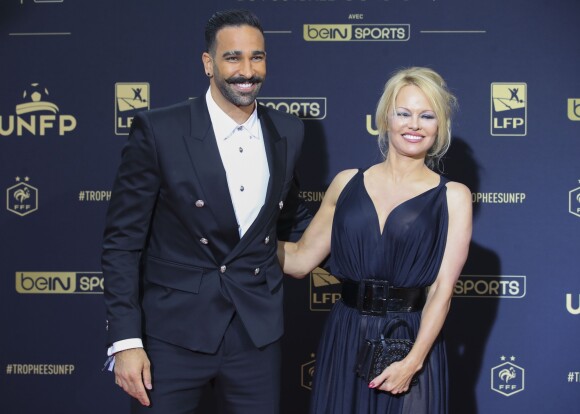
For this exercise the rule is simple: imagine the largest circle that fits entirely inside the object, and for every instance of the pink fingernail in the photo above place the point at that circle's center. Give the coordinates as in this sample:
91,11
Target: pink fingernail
372,385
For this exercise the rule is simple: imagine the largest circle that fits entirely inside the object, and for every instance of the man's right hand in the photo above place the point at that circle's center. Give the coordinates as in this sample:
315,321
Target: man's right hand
133,373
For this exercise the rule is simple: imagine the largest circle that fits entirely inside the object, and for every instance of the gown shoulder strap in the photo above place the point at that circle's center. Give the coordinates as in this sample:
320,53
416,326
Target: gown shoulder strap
443,180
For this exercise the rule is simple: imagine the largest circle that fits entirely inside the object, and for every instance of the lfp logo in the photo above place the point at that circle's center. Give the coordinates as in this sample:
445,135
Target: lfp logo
324,290
130,98
509,109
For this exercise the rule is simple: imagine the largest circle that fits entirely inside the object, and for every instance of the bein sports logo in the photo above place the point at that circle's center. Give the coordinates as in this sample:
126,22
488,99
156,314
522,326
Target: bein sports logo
59,283
574,109
303,108
509,109
357,32
507,378
36,115
500,286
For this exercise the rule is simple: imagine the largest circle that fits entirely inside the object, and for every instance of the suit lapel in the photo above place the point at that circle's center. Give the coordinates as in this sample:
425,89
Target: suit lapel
276,153
210,172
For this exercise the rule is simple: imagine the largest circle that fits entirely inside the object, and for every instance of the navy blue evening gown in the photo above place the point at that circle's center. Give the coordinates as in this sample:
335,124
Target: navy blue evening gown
408,253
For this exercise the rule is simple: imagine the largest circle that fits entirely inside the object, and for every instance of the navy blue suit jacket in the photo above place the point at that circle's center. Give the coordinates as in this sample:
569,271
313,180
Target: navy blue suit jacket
174,265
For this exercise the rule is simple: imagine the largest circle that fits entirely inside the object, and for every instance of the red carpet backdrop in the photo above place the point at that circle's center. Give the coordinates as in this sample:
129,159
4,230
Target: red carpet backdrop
74,73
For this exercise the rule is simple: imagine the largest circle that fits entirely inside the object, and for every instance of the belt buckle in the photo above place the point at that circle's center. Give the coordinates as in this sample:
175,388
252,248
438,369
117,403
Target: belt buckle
372,297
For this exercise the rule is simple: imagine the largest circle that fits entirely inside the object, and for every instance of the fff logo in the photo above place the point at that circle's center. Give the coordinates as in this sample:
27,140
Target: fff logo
507,378
307,373
22,198
574,201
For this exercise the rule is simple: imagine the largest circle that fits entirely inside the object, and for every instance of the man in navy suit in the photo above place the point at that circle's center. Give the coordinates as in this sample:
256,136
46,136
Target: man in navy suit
193,287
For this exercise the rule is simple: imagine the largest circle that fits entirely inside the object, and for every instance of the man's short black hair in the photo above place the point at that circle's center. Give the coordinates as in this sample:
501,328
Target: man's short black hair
225,18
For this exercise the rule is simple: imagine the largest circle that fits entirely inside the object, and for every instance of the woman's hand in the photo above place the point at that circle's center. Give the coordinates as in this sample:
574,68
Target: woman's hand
395,379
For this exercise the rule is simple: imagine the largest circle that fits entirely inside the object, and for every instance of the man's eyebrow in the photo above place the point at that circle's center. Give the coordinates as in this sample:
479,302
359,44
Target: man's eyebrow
239,53
232,53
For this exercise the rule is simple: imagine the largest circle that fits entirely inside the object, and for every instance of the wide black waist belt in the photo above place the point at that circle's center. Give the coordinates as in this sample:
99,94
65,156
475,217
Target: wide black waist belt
377,297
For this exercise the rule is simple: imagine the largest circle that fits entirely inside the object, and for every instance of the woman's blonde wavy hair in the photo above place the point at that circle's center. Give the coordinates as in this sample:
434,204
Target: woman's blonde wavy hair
441,99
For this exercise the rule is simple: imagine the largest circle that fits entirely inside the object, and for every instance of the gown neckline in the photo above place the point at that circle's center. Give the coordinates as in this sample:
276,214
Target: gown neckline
382,228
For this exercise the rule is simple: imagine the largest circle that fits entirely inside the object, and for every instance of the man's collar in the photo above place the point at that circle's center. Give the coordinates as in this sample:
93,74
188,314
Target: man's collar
224,126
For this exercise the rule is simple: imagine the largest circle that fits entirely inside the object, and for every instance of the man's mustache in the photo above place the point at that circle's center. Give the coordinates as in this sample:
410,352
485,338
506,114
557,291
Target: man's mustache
241,79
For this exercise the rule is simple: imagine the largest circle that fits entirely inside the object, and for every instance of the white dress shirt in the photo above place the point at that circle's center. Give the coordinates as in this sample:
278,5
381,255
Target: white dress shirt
243,156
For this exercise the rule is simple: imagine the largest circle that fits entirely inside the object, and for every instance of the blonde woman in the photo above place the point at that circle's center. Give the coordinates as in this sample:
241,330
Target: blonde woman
398,223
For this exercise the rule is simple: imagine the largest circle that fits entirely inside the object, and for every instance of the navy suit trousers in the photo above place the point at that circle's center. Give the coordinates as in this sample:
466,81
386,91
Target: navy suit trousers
246,379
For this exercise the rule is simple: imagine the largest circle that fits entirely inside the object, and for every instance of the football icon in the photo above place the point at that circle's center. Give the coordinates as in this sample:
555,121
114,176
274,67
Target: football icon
35,93
35,100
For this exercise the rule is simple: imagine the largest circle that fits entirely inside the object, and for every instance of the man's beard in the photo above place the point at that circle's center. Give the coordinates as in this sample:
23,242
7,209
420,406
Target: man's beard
236,97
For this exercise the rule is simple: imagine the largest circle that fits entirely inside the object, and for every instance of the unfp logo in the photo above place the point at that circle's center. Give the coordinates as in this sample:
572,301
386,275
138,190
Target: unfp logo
22,198
509,109
36,115
574,201
324,290
303,108
130,98
574,109
507,378
371,126
356,32
59,282
570,307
